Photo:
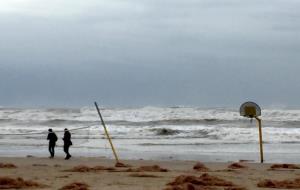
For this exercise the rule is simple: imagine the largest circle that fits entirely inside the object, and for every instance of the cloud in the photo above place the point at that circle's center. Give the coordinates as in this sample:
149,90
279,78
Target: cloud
67,9
149,52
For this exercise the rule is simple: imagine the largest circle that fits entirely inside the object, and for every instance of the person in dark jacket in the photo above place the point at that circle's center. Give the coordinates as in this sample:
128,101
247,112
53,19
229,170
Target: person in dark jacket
67,143
52,138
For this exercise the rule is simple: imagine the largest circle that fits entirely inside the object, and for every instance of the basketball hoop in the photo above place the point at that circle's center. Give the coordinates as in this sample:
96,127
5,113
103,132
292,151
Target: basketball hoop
252,110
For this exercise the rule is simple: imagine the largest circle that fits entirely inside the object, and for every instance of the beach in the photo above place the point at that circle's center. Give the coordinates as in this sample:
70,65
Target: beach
56,173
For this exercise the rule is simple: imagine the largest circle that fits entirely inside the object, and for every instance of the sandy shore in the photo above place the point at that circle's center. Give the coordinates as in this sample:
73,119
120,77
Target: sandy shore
52,173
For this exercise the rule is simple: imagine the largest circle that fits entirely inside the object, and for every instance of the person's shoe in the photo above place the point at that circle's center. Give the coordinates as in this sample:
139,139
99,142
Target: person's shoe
68,157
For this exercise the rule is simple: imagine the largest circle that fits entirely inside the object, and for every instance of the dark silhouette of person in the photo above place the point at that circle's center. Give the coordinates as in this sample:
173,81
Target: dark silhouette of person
52,138
67,143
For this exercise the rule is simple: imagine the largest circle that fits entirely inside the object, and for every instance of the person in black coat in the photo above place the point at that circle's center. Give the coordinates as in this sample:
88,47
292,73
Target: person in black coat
52,138
67,143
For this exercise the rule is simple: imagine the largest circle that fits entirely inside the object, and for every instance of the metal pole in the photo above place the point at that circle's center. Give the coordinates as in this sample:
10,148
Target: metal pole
106,132
260,140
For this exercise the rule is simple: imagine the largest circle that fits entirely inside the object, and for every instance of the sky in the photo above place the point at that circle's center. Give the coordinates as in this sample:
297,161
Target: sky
206,53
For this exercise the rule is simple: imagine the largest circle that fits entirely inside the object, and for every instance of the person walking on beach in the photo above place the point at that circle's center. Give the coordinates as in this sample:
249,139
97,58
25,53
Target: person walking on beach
67,143
52,138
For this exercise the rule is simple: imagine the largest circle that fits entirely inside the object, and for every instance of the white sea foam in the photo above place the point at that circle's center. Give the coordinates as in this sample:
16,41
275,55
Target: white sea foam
150,126
141,114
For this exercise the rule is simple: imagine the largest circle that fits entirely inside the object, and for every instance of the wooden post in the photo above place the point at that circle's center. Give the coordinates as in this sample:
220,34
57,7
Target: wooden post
260,140
106,132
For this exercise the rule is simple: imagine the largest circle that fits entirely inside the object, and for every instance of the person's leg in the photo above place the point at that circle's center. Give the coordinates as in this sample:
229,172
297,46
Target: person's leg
69,155
53,151
50,149
66,149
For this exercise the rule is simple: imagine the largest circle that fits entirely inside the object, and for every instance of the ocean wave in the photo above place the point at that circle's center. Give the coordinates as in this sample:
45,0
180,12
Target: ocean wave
181,122
63,110
6,120
52,122
215,143
165,131
213,124
146,115
193,144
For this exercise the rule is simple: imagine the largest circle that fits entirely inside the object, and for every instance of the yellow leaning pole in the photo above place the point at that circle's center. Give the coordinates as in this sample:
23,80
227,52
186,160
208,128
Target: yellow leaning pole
107,135
260,140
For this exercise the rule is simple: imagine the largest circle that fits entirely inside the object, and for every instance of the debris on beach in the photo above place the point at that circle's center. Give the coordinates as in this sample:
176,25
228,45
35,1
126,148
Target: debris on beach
64,176
189,186
44,165
205,182
18,183
7,165
284,166
76,186
142,175
122,165
99,168
235,188
80,168
285,184
83,168
236,166
154,168
246,160
200,167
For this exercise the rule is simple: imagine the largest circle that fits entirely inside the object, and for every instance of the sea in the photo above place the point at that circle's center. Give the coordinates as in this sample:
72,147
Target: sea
153,133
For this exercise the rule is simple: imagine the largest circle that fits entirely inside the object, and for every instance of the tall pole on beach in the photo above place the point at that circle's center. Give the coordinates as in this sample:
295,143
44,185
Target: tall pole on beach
106,132
260,140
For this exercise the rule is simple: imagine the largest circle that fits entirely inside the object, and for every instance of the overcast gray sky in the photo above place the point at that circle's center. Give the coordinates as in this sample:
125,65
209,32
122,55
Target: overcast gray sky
149,52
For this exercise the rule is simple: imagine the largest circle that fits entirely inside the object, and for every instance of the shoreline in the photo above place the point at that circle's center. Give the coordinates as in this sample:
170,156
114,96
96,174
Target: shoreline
154,155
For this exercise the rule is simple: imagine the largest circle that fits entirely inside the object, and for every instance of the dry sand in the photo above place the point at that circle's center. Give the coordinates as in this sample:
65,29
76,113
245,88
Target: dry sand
100,173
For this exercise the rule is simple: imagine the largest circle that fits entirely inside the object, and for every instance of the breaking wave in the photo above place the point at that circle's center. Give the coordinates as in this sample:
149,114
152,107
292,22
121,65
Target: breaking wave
220,125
